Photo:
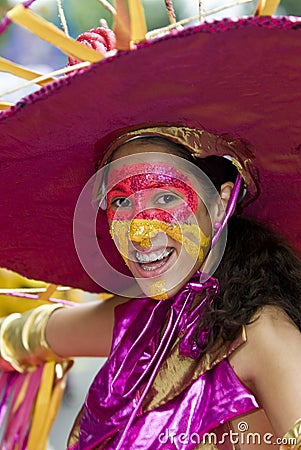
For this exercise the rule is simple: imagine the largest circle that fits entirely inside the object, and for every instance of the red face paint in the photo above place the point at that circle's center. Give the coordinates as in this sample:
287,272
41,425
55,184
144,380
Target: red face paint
148,191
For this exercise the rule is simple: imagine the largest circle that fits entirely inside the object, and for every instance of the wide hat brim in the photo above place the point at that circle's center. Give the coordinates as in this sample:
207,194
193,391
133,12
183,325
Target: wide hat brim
239,77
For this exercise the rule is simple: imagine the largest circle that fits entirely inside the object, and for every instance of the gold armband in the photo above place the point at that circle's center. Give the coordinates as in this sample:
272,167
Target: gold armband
22,338
292,439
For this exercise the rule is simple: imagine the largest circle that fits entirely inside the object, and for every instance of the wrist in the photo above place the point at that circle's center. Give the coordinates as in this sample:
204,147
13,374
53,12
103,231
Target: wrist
22,338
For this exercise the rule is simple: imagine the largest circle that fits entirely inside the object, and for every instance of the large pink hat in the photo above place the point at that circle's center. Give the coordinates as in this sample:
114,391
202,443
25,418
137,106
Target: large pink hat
237,79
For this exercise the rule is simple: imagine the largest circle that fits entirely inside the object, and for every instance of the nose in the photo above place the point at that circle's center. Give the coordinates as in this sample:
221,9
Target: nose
143,230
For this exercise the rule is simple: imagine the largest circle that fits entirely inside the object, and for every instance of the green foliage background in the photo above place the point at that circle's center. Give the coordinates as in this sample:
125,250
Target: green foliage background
24,48
82,15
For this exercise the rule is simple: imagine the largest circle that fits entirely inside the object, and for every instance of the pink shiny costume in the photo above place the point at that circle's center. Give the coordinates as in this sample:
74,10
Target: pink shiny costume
125,409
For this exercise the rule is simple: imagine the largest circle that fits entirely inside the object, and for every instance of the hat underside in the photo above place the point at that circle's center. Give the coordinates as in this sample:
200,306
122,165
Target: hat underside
240,78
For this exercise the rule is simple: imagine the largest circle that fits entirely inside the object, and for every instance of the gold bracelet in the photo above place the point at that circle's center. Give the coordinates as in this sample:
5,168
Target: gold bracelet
22,338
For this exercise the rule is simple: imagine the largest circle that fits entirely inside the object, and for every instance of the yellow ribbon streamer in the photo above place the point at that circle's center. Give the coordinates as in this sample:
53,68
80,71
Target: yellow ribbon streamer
35,441
19,71
63,71
5,105
129,24
266,7
50,33
138,22
22,394
55,402
50,290
10,304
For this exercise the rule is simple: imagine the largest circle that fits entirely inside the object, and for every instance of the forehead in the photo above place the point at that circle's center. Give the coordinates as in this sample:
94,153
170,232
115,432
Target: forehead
136,146
138,157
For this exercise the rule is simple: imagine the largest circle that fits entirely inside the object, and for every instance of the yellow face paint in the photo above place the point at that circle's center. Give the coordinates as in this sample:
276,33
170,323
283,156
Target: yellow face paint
142,231
158,290
147,199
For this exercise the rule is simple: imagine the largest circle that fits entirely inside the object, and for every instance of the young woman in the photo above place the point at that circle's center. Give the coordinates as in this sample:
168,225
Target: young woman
200,353
258,302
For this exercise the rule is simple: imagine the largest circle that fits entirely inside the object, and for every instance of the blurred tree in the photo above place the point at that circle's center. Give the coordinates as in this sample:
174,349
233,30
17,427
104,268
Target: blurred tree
291,7
82,15
3,6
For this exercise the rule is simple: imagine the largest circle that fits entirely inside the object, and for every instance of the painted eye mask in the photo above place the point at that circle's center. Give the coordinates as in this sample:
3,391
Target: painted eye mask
150,192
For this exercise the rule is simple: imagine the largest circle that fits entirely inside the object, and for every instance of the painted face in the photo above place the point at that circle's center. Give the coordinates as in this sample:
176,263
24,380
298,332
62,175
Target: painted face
155,219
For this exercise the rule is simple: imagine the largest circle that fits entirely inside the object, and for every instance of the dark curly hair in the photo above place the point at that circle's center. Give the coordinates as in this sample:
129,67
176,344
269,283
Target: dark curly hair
258,267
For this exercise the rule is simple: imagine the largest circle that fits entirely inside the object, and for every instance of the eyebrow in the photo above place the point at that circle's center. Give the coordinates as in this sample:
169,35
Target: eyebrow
117,188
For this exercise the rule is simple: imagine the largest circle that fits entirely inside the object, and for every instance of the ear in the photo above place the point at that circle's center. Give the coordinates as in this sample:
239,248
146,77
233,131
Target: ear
225,193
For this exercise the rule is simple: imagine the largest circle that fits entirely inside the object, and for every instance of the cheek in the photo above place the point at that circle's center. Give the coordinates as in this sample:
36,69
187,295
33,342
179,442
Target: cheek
203,219
195,231
194,241
110,215
119,231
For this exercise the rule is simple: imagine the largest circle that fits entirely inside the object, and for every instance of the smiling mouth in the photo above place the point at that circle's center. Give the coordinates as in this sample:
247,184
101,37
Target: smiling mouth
154,260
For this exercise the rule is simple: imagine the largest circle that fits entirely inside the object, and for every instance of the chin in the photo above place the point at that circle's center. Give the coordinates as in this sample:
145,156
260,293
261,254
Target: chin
166,280
161,288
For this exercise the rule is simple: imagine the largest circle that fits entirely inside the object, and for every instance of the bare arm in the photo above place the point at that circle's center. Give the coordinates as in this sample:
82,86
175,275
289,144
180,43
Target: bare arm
85,330
270,364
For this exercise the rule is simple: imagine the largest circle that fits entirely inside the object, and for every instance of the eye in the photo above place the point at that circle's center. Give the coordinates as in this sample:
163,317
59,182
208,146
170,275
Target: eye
167,198
121,202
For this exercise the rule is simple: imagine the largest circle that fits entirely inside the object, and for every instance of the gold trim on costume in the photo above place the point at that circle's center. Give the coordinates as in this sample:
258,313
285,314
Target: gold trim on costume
74,433
177,372
48,292
292,439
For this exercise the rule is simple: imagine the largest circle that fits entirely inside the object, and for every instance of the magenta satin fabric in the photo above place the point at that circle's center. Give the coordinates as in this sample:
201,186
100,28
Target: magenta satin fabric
112,409
15,421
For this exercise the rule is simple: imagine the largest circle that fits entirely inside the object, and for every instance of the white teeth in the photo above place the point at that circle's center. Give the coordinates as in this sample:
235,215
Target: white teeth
153,256
154,267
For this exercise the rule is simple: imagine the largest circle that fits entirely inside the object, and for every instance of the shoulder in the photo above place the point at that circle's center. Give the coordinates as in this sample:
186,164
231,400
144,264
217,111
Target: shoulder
271,337
269,326
269,363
